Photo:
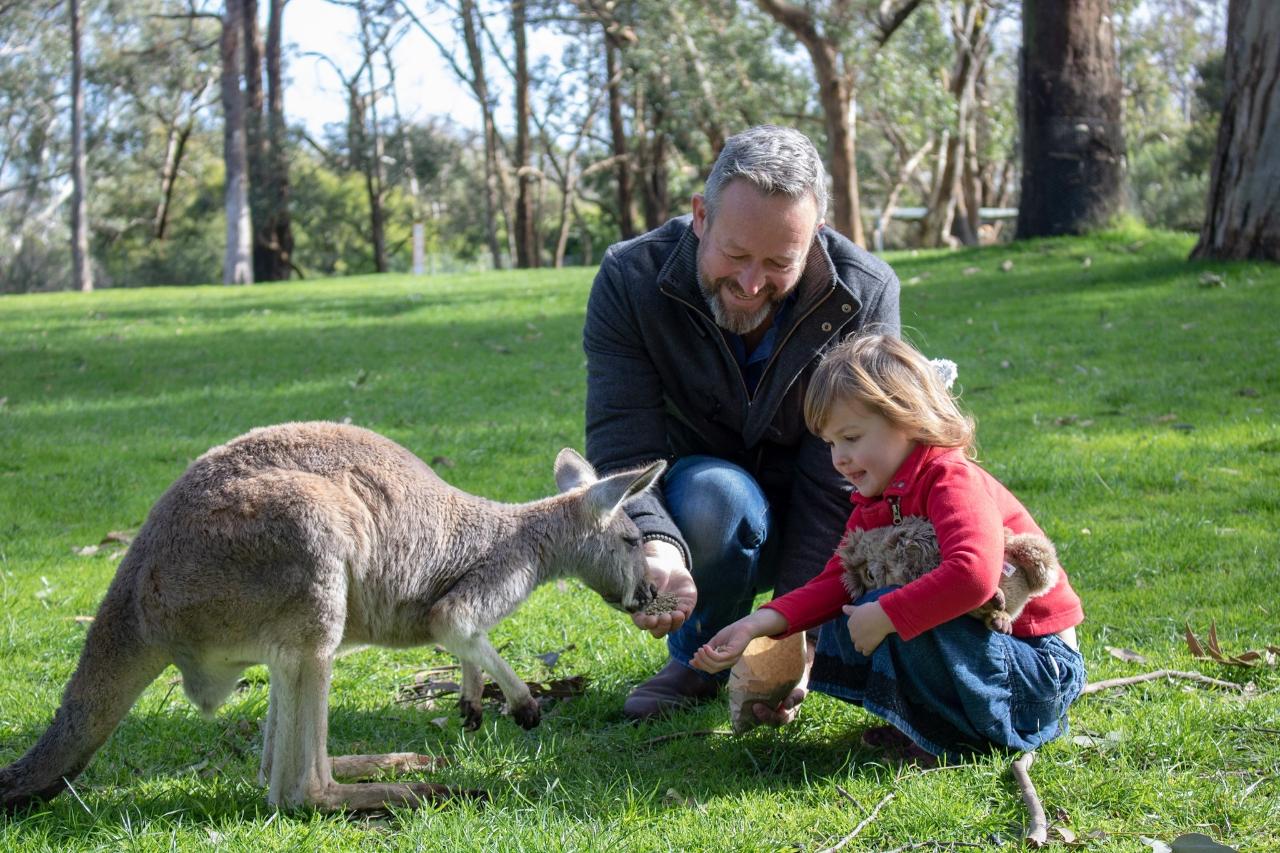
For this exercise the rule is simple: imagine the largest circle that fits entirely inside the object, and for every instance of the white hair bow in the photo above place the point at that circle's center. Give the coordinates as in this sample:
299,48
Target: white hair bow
947,370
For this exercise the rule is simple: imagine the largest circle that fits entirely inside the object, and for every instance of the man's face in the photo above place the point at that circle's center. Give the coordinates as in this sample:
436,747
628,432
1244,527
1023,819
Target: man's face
752,254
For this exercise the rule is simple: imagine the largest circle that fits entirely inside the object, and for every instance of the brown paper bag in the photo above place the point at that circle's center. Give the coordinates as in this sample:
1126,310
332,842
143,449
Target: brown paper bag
767,672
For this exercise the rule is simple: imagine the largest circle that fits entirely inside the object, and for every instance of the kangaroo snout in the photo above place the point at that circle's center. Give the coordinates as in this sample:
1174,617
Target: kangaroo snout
640,597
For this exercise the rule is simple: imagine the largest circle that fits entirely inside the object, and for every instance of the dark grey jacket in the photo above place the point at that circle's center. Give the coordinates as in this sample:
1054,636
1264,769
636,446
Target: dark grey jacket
662,382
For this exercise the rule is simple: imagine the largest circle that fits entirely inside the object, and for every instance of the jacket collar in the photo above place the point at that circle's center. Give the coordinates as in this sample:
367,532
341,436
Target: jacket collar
904,479
679,275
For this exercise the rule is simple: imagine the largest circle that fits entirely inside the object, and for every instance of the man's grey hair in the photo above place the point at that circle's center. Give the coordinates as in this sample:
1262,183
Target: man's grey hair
776,160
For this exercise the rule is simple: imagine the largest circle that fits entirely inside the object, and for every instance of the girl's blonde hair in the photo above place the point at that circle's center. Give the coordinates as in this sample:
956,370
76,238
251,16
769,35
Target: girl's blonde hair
893,378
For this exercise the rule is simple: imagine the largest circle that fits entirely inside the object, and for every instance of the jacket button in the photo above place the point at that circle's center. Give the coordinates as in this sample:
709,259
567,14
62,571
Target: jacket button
826,327
846,308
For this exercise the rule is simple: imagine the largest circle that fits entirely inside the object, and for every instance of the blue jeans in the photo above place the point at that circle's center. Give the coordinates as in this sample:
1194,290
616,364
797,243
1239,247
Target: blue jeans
957,688
725,519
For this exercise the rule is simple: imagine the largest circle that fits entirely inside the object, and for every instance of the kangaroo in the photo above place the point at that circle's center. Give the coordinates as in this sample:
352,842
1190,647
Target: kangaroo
293,542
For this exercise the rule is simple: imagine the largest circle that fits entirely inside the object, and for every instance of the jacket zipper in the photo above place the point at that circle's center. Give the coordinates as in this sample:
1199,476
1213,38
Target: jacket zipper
777,350
893,506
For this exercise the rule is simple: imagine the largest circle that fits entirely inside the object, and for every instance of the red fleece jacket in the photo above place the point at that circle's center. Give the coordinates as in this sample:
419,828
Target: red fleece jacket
969,510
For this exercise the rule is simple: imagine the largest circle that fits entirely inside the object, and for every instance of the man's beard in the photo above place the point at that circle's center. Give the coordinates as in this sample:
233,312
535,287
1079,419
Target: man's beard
738,322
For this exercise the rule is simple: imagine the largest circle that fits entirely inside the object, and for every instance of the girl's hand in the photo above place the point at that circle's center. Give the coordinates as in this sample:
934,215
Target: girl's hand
723,650
868,626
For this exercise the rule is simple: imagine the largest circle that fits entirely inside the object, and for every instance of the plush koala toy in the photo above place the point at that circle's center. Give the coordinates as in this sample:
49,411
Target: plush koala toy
897,555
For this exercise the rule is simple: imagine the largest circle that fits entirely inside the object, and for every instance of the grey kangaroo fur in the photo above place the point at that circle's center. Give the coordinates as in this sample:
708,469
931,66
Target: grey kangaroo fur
291,542
898,554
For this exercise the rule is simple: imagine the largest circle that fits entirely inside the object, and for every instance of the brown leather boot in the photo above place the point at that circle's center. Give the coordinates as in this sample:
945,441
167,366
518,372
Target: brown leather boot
675,686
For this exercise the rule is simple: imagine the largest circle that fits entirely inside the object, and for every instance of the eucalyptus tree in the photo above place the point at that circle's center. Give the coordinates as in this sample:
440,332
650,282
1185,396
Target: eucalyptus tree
1242,219
1070,106
81,262
839,35
237,265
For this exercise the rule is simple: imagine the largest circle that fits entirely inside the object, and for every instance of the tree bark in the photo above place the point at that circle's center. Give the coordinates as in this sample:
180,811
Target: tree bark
279,233
237,265
480,88
1069,100
1242,216
82,267
528,254
836,94
374,181
949,215
175,147
255,140
626,224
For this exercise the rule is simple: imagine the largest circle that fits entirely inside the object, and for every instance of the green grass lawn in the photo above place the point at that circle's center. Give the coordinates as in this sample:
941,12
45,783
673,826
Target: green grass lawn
1132,405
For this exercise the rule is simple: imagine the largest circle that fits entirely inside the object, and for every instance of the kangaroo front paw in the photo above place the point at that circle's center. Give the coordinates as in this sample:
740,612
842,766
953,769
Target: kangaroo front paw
471,715
527,715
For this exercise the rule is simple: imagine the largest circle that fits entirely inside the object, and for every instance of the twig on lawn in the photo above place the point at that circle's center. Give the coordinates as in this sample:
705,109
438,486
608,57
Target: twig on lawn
1099,686
1038,828
690,733
847,796
861,826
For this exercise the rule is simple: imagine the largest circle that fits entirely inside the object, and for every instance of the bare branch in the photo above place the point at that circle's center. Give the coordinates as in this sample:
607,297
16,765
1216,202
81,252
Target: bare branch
1098,686
861,826
891,15
1038,826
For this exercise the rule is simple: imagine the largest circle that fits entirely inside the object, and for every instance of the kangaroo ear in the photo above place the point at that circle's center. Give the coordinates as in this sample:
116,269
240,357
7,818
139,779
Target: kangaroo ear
607,495
572,470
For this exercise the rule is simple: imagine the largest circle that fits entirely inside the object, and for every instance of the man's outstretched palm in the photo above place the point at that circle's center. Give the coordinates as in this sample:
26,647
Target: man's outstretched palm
669,577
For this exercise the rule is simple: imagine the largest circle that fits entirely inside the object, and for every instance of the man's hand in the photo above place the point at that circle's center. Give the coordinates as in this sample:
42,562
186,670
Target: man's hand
669,576
868,626
789,708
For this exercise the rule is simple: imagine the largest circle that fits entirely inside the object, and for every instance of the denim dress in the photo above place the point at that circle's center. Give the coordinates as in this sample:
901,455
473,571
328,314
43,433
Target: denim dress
957,689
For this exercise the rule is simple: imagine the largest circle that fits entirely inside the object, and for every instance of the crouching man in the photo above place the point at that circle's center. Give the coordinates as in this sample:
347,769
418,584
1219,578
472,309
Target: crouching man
700,339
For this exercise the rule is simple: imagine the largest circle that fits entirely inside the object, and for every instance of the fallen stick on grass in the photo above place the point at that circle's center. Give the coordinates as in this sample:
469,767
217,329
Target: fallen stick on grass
1099,686
861,826
1038,828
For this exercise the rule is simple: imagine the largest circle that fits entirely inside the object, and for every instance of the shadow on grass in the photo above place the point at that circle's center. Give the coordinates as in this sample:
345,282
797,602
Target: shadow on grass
205,771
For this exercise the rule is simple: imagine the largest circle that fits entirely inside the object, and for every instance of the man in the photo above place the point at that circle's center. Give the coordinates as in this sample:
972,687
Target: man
700,337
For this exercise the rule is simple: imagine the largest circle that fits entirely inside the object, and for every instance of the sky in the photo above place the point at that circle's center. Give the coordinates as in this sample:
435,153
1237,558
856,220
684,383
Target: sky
425,83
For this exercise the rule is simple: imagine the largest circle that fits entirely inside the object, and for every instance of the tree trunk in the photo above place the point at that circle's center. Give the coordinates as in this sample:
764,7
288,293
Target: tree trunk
949,215
1069,99
374,181
82,267
1242,216
255,139
836,94
626,225
280,231
480,88
528,254
237,265
175,147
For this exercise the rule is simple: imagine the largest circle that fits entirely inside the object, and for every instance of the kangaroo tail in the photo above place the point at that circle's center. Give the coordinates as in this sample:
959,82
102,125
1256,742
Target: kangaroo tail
117,663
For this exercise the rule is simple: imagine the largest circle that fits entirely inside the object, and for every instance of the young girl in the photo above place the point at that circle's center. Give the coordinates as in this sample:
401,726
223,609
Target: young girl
910,655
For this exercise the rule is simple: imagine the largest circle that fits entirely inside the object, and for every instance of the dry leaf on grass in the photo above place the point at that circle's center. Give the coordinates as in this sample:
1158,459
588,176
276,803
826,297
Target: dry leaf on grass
1210,650
1126,655
423,693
